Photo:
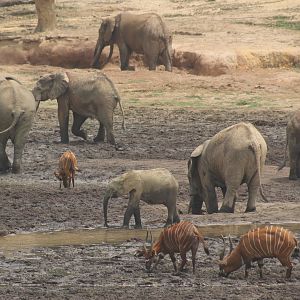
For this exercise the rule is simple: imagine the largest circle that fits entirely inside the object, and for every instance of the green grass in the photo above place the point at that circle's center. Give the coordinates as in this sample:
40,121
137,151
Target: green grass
175,15
250,103
284,22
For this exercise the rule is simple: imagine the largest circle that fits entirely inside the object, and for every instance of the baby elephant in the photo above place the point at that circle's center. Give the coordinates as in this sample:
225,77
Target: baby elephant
66,169
154,186
179,238
293,145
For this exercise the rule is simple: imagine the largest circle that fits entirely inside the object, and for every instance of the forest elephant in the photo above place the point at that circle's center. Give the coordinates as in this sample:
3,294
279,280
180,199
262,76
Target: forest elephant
154,186
234,156
88,96
293,145
17,110
143,34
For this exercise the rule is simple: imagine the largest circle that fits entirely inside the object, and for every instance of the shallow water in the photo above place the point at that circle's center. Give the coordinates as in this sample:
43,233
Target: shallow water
116,235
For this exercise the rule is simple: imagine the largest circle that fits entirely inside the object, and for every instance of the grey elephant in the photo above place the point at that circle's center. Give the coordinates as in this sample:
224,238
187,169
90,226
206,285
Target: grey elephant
234,156
143,34
92,96
17,110
293,145
154,186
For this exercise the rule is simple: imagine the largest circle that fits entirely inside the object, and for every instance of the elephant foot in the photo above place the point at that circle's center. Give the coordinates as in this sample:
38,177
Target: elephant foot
226,209
212,211
5,168
119,147
81,134
128,68
250,209
64,141
16,169
293,177
124,226
138,226
106,225
98,139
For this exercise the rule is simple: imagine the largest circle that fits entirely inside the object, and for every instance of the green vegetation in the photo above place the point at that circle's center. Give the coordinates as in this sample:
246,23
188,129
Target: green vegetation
279,21
286,23
175,15
251,103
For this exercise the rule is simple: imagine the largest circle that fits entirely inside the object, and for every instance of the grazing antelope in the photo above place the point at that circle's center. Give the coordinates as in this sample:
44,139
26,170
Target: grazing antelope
66,169
178,238
259,243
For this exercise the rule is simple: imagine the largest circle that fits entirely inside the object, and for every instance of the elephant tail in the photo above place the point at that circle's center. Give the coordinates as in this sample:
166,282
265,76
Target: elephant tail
285,155
16,116
255,148
121,107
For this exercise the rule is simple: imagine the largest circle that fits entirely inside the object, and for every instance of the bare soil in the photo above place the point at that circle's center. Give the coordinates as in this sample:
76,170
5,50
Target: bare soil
167,116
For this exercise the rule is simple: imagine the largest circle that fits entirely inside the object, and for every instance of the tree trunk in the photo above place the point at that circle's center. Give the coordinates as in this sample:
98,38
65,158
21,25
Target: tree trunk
46,15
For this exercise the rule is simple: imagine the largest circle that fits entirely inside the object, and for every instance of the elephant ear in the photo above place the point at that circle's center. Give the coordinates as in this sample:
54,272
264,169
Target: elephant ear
108,26
132,181
199,150
60,85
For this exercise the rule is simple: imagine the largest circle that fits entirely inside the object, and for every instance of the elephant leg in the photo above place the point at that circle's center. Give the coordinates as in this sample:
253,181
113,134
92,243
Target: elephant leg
4,161
195,205
101,134
78,120
166,60
125,53
19,141
132,208
293,155
253,188
63,119
170,216
127,216
229,200
176,218
137,218
210,197
298,166
108,124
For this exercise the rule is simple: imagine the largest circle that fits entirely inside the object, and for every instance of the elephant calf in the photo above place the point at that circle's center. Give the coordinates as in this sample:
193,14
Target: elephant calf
154,186
293,145
17,110
234,156
90,96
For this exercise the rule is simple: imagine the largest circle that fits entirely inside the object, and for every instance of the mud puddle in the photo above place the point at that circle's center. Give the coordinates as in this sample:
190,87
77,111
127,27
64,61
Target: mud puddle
116,235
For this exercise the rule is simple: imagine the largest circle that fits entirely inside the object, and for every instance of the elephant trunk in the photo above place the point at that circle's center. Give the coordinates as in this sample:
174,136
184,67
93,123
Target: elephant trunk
37,105
97,53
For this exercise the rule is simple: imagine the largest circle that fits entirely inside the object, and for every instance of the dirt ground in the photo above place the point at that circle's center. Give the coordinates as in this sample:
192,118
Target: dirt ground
167,116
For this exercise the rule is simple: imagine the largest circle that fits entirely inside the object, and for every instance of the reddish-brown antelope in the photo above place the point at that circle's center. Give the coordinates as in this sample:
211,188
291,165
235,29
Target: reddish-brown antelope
257,244
67,166
178,238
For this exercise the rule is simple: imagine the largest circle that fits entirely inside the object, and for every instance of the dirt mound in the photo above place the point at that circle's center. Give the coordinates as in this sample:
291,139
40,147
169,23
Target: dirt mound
76,53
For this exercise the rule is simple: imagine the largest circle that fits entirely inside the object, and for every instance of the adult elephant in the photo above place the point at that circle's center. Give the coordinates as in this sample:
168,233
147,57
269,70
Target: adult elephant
234,156
92,96
293,145
144,34
17,109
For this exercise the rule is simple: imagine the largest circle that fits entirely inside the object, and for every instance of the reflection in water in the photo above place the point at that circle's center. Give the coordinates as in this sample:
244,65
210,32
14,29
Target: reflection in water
101,235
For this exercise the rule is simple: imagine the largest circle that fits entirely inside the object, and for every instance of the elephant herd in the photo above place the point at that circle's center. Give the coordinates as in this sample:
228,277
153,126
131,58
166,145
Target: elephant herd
234,156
